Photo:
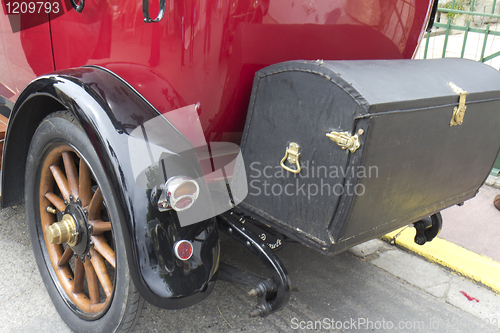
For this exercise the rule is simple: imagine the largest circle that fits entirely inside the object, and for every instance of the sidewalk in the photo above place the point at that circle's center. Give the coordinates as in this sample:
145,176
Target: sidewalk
469,243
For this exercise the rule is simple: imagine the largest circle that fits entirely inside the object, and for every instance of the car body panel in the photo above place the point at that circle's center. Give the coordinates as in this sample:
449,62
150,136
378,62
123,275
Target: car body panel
207,52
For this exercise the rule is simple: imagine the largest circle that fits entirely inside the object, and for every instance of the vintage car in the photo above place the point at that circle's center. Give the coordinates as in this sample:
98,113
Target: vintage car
139,130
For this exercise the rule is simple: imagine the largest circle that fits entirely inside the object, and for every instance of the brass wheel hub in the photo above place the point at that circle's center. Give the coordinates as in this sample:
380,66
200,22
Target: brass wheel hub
72,229
64,231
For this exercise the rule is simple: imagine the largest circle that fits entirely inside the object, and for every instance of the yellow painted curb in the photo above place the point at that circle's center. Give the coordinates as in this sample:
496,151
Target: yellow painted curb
474,266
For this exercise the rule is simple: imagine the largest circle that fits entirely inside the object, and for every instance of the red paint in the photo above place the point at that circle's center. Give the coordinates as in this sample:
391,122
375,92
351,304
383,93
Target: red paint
207,51
469,298
24,55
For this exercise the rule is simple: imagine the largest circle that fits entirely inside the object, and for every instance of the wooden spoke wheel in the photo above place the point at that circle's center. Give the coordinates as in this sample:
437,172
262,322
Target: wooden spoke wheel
75,231
85,265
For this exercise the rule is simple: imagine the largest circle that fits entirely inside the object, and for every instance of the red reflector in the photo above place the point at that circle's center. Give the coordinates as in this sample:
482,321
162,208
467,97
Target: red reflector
183,250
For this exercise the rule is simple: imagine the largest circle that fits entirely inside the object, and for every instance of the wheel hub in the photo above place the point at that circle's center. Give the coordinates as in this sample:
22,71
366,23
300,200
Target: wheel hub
63,231
72,229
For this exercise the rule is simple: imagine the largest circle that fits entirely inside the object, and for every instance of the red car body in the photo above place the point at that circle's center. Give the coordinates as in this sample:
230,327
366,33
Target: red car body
207,51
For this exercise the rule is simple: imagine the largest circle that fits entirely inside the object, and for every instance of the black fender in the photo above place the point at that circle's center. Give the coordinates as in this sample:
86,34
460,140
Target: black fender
108,110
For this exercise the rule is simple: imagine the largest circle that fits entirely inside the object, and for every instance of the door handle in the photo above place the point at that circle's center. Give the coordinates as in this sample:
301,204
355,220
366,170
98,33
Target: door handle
145,11
78,7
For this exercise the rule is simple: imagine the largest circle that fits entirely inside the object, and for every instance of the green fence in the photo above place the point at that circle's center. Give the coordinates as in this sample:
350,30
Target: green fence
474,26
496,169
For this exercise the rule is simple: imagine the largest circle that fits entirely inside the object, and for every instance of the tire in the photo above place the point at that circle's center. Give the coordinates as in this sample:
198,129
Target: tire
96,293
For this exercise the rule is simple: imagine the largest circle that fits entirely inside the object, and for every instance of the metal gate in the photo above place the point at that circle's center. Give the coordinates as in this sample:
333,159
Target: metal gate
466,29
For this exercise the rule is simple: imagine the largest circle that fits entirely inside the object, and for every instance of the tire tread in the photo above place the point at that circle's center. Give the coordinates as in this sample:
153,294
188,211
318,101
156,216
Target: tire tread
136,308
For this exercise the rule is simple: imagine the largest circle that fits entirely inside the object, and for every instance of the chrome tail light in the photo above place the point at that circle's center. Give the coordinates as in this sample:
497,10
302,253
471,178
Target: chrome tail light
179,193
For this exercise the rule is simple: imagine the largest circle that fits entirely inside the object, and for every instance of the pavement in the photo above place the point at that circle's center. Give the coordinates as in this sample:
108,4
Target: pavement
469,243
375,286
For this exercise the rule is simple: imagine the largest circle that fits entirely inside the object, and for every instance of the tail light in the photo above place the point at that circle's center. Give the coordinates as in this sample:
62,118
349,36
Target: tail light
179,193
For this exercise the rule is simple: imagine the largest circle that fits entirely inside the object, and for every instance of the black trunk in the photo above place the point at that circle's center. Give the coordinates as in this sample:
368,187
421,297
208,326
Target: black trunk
412,161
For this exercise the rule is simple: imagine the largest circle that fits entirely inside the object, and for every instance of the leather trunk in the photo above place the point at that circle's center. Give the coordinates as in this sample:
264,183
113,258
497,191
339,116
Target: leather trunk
428,133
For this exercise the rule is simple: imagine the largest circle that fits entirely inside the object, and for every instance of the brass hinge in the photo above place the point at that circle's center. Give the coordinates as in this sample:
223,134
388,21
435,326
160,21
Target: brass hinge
292,155
346,140
459,111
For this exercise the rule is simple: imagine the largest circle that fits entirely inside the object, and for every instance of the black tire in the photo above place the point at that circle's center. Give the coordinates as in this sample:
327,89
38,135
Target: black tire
112,304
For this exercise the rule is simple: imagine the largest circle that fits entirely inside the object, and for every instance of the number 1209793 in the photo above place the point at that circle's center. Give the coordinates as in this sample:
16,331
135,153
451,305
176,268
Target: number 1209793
24,7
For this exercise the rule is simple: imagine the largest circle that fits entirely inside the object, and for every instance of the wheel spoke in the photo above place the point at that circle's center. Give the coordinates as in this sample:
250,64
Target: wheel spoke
86,286
102,272
78,276
71,173
92,283
99,227
61,181
66,256
104,249
56,201
95,205
84,183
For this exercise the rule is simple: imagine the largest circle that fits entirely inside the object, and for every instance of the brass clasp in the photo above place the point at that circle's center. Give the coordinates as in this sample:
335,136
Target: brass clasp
346,140
459,111
292,155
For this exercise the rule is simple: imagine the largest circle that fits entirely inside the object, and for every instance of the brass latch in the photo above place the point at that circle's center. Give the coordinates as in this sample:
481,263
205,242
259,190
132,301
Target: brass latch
292,155
346,140
459,111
